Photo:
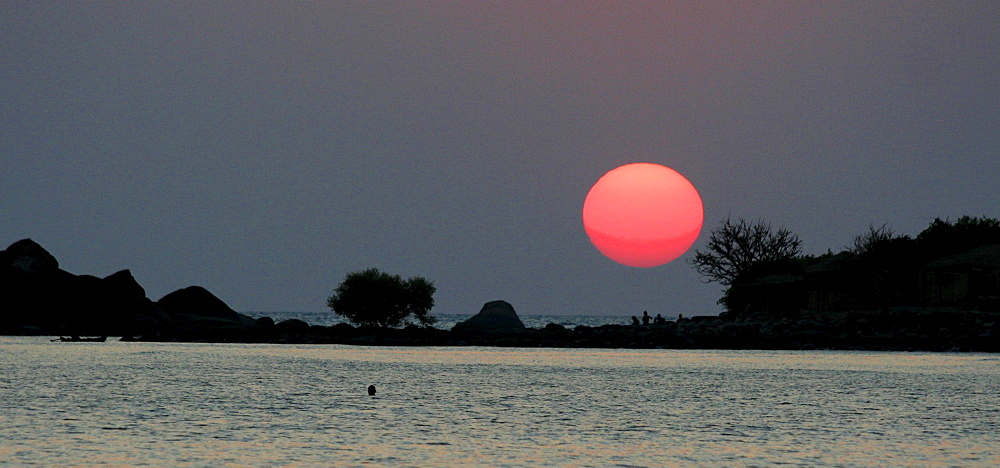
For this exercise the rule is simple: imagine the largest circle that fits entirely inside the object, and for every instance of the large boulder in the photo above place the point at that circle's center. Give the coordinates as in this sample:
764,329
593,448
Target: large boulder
128,309
493,317
34,296
26,257
124,284
196,313
196,300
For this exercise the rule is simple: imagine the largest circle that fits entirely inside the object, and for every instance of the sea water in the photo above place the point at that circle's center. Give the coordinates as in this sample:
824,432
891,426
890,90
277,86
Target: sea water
210,404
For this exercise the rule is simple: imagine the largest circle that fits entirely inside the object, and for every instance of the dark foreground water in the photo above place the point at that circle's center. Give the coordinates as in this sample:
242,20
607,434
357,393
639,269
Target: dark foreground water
212,404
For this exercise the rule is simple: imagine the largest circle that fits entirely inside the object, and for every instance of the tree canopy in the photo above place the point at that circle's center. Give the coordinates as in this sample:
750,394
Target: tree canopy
757,264
946,237
372,297
737,248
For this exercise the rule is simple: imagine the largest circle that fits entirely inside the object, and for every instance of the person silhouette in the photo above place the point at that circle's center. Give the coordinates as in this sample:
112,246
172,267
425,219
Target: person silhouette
659,320
635,320
371,390
645,317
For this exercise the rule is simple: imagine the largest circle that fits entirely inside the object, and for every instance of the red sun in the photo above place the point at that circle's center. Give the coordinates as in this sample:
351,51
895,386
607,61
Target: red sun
643,215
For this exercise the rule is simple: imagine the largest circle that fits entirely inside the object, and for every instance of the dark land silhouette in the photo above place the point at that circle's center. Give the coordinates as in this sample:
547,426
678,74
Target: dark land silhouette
908,299
948,266
39,298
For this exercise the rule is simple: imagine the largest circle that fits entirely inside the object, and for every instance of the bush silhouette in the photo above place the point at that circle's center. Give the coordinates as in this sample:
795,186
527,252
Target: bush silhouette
371,297
945,237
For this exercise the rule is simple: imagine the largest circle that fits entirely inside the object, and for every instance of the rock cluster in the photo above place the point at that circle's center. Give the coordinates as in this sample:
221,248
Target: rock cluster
37,297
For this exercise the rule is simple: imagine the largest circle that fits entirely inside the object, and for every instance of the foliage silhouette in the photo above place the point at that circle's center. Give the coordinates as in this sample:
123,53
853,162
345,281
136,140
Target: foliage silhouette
876,240
741,249
372,297
764,271
944,237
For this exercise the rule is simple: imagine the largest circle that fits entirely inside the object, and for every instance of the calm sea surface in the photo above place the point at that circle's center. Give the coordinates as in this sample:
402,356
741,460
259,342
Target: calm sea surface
212,404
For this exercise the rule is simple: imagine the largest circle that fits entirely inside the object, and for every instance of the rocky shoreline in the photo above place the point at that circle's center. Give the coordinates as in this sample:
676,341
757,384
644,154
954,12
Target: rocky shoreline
873,331
39,298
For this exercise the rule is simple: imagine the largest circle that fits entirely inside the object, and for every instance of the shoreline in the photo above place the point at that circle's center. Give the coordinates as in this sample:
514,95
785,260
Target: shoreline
42,299
935,331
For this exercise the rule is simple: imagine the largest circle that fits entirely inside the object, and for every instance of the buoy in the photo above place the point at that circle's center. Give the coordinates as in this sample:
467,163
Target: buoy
371,390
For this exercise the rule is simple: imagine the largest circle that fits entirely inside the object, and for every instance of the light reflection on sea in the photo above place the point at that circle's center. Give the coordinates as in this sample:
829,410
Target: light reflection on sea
209,404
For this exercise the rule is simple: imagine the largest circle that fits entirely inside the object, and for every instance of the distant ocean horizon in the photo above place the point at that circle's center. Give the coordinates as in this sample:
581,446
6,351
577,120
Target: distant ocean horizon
446,321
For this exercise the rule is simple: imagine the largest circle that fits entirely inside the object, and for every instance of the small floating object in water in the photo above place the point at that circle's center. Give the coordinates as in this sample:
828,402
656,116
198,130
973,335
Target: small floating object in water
371,390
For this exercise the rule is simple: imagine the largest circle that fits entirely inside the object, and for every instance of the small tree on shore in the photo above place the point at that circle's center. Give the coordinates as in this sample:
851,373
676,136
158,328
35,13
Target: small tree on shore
371,297
736,249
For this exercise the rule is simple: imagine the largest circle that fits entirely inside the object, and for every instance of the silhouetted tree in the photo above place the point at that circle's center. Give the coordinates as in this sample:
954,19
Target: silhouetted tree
740,249
875,240
888,263
944,237
371,297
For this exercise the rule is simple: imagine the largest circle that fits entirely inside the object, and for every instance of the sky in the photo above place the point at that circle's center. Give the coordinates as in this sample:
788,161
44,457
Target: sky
264,150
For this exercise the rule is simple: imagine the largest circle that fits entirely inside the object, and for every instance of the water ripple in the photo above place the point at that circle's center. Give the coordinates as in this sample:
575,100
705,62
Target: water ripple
203,404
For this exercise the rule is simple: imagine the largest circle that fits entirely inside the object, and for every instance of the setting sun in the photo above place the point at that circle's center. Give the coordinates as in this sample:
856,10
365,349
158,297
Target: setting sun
643,215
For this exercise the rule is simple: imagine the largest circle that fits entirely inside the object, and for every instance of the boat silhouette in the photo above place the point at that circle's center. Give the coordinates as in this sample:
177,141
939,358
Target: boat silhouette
74,339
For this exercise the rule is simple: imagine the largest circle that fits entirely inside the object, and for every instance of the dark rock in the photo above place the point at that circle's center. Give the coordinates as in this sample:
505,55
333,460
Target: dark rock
28,258
38,297
552,327
344,329
35,293
145,319
123,283
494,316
124,304
196,300
292,327
265,322
197,315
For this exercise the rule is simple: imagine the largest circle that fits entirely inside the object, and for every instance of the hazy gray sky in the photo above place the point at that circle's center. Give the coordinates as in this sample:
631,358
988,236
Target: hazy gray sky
265,150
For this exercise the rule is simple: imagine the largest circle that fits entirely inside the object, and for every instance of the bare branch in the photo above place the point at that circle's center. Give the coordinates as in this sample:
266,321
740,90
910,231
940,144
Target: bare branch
734,248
